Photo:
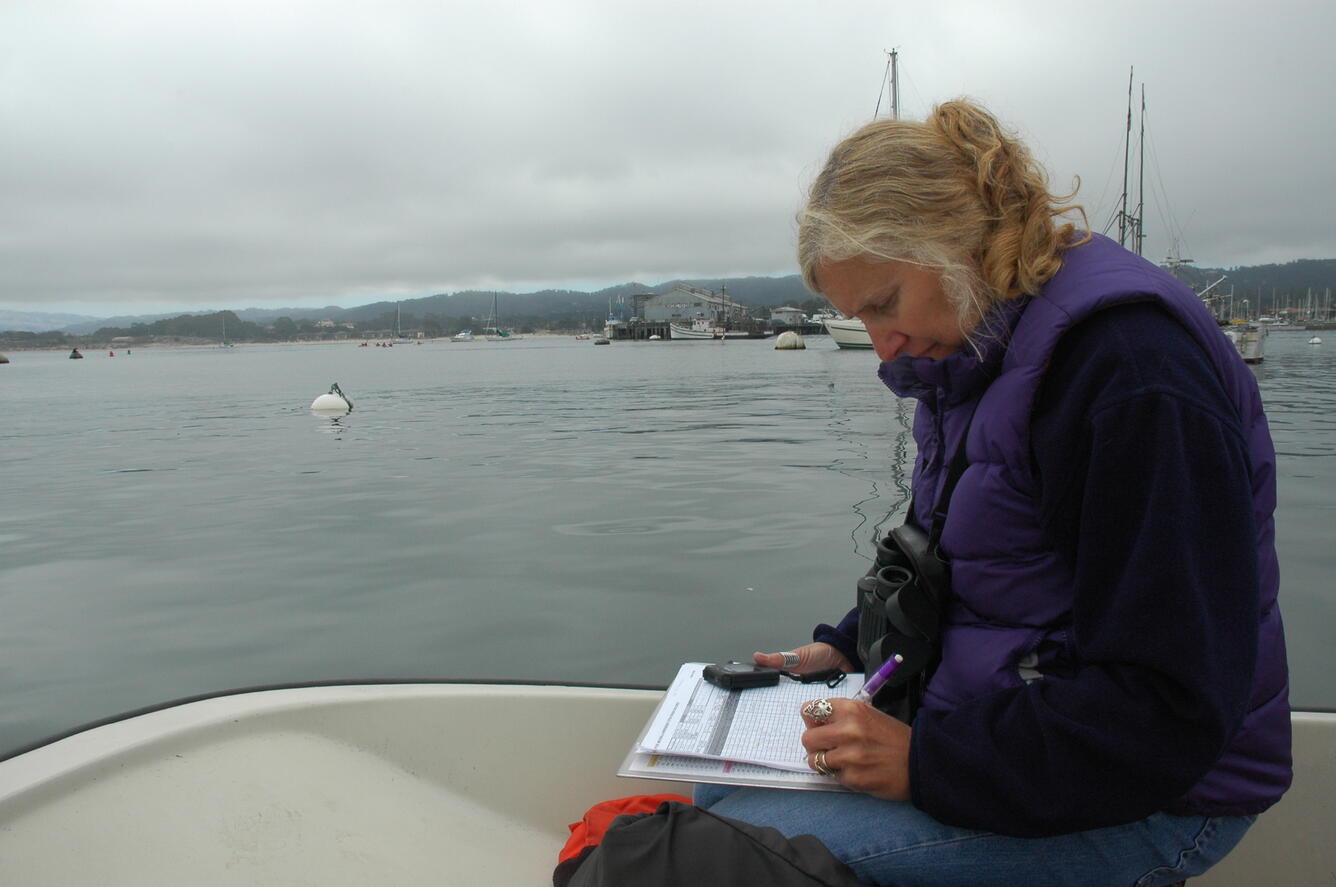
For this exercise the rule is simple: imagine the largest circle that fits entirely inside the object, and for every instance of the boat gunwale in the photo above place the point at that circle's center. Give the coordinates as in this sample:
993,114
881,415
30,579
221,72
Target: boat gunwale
9,754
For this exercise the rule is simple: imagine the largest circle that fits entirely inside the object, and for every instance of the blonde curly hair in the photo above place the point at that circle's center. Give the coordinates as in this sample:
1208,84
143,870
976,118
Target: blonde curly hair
955,193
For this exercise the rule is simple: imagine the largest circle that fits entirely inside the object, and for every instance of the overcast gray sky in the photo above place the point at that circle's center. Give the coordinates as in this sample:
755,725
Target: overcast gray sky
165,155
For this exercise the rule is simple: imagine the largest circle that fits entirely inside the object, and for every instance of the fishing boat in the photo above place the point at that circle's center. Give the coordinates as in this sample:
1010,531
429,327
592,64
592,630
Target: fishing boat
847,332
1249,340
414,783
699,328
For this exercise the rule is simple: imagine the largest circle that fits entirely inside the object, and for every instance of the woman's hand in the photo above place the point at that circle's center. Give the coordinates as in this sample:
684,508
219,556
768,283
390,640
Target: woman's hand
811,657
866,750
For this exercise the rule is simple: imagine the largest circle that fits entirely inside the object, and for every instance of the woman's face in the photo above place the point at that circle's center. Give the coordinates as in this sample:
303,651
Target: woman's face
903,306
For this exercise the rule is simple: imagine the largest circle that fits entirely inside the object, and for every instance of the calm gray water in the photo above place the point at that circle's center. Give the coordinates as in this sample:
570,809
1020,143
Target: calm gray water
179,522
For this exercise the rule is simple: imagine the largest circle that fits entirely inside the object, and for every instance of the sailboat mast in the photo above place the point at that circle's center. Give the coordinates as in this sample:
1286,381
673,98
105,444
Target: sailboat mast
895,85
1127,147
1141,176
891,80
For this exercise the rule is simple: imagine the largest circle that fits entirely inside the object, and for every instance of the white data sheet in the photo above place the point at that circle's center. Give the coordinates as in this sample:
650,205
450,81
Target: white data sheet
760,725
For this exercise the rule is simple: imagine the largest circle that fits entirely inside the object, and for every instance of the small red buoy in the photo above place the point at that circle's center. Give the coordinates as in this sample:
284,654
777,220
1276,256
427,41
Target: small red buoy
111,354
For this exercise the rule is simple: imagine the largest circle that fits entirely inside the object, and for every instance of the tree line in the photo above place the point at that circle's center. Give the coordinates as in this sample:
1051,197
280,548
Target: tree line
203,329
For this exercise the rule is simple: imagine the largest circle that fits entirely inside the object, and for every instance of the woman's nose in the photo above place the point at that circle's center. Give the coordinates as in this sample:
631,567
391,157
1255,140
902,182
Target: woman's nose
888,343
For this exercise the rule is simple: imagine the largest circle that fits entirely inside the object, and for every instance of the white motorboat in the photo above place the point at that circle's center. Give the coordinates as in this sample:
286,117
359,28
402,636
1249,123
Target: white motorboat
848,332
462,336
445,784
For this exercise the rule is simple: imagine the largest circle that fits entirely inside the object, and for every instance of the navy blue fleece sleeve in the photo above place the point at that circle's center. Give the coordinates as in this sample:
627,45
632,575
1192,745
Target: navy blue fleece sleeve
843,637
1146,494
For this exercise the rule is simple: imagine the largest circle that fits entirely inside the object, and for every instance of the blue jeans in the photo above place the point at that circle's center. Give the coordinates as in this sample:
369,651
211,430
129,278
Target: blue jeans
895,843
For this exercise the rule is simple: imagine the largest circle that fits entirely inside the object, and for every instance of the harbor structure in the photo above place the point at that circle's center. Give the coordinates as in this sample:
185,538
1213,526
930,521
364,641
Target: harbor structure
705,313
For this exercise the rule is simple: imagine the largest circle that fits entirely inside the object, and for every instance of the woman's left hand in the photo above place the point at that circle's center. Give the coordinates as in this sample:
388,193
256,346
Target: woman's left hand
868,750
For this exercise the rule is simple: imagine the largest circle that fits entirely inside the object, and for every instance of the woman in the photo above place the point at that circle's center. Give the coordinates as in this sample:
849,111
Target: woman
1111,702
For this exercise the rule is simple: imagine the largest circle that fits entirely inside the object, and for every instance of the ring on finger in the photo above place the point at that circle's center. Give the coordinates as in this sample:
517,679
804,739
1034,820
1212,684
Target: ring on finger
819,764
818,710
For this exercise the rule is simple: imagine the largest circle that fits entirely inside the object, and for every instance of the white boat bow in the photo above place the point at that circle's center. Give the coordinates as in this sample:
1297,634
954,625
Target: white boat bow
848,332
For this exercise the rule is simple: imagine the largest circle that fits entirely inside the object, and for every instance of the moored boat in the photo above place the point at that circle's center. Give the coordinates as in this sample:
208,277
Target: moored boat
1249,339
848,332
494,333
413,784
700,328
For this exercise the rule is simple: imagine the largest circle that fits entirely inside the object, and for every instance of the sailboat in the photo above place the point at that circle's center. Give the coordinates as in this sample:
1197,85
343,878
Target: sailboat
399,337
224,343
850,332
493,333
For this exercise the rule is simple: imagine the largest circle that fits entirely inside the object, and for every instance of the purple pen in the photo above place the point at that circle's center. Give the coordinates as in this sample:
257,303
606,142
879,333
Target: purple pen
878,680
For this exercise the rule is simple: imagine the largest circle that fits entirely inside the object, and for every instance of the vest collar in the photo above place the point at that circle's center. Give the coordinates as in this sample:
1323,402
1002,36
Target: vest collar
960,376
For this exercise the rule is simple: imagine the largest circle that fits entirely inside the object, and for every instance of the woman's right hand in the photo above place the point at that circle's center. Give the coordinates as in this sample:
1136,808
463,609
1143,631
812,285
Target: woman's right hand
811,657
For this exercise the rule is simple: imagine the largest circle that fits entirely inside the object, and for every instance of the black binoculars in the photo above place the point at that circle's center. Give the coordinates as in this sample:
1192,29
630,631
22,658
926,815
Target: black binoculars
901,605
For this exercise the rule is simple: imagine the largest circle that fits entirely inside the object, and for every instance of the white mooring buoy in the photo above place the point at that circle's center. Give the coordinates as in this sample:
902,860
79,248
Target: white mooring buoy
1316,340
789,340
333,403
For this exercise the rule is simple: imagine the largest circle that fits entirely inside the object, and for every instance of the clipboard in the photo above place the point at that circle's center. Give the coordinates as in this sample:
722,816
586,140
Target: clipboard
702,733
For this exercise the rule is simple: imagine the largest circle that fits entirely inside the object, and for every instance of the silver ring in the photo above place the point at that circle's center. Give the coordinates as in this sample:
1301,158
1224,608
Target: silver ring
818,710
790,659
819,764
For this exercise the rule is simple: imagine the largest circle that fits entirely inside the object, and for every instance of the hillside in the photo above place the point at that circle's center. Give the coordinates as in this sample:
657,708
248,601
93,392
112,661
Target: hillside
1267,287
572,307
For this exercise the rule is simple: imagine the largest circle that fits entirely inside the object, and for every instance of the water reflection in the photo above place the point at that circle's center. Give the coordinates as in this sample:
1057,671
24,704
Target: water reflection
336,425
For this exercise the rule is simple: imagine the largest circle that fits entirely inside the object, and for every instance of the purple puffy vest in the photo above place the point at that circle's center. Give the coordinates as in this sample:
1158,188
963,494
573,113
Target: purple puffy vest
1013,594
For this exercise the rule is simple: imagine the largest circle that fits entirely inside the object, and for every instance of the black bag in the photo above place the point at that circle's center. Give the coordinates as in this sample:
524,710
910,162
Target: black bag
679,845
902,603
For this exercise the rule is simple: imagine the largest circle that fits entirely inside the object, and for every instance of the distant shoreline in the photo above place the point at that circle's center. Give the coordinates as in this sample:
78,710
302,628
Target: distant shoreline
90,350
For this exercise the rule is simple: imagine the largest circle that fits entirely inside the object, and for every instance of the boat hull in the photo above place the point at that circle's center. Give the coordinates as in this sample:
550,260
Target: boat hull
446,784
1250,341
848,333
677,331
